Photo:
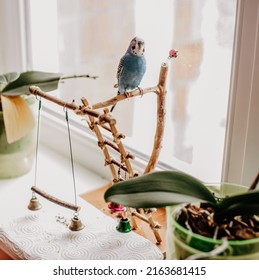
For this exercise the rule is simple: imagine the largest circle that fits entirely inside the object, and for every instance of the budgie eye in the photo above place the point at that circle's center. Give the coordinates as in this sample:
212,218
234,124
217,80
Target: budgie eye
133,47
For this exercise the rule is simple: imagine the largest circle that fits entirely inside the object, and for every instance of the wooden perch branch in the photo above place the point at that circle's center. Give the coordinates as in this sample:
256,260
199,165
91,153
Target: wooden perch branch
161,94
55,200
118,98
78,76
38,92
149,220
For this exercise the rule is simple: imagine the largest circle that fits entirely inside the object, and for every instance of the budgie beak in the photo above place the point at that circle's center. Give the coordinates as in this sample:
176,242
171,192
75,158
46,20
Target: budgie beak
138,48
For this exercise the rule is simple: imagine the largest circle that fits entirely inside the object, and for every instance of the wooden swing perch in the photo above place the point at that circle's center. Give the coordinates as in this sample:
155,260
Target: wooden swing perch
106,121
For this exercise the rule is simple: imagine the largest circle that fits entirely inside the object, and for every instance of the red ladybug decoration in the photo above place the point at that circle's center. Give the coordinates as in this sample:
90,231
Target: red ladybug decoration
173,53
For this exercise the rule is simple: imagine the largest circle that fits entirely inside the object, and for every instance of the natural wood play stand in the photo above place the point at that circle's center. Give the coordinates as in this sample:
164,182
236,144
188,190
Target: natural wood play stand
105,121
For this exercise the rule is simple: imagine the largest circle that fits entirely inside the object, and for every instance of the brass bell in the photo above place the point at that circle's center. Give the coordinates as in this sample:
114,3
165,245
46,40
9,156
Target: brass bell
34,204
76,224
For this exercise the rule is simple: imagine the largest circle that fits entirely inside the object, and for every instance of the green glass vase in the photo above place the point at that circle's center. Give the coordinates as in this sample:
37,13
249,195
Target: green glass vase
16,159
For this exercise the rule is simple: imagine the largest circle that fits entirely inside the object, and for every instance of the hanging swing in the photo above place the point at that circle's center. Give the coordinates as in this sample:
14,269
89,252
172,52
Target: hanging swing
34,204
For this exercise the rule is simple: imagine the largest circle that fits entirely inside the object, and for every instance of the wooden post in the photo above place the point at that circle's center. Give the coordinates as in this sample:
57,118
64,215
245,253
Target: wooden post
161,94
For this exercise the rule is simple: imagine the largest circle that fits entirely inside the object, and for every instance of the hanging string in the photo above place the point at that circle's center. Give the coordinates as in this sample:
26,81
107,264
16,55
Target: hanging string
71,155
37,145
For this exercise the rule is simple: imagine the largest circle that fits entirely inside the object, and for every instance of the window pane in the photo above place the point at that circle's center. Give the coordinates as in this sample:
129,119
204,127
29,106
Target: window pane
203,33
91,36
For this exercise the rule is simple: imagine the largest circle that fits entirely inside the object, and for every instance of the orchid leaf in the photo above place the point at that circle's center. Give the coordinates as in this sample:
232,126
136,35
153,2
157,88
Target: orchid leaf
238,209
46,81
7,78
242,204
248,197
159,189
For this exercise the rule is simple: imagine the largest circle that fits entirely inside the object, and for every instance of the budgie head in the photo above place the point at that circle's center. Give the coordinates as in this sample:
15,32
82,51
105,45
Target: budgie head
137,46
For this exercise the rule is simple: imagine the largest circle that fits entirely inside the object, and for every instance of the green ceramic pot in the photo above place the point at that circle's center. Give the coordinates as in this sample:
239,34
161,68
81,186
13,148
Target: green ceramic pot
16,159
181,243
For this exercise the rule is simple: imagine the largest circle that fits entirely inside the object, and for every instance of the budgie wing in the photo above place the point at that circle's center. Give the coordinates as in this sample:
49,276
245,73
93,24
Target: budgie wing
120,67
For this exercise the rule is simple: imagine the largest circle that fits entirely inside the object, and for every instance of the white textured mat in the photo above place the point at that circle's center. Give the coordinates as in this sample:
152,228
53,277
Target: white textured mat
44,235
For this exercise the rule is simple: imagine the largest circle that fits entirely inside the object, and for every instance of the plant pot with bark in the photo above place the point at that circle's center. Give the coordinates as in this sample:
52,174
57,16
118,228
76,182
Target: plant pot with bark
17,119
203,222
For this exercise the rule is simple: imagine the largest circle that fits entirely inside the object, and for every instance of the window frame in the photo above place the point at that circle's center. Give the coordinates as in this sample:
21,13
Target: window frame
241,154
13,24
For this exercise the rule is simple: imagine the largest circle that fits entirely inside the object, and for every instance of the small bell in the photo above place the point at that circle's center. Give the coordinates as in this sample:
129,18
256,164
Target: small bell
124,225
76,224
34,204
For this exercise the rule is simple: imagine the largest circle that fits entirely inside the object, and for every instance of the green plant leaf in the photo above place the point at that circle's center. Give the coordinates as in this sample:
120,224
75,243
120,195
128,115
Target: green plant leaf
248,197
238,209
7,78
46,81
159,189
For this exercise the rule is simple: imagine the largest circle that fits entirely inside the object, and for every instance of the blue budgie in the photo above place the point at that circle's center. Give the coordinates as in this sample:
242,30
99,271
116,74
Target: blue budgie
132,67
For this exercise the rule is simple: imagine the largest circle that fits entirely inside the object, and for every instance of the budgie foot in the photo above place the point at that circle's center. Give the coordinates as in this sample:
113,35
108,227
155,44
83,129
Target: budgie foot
126,94
141,91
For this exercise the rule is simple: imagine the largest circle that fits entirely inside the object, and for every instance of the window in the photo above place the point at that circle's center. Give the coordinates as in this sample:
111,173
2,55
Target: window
64,35
90,37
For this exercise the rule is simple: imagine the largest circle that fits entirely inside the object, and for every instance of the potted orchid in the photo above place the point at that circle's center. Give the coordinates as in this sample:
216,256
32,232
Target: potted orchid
17,114
17,137
202,221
